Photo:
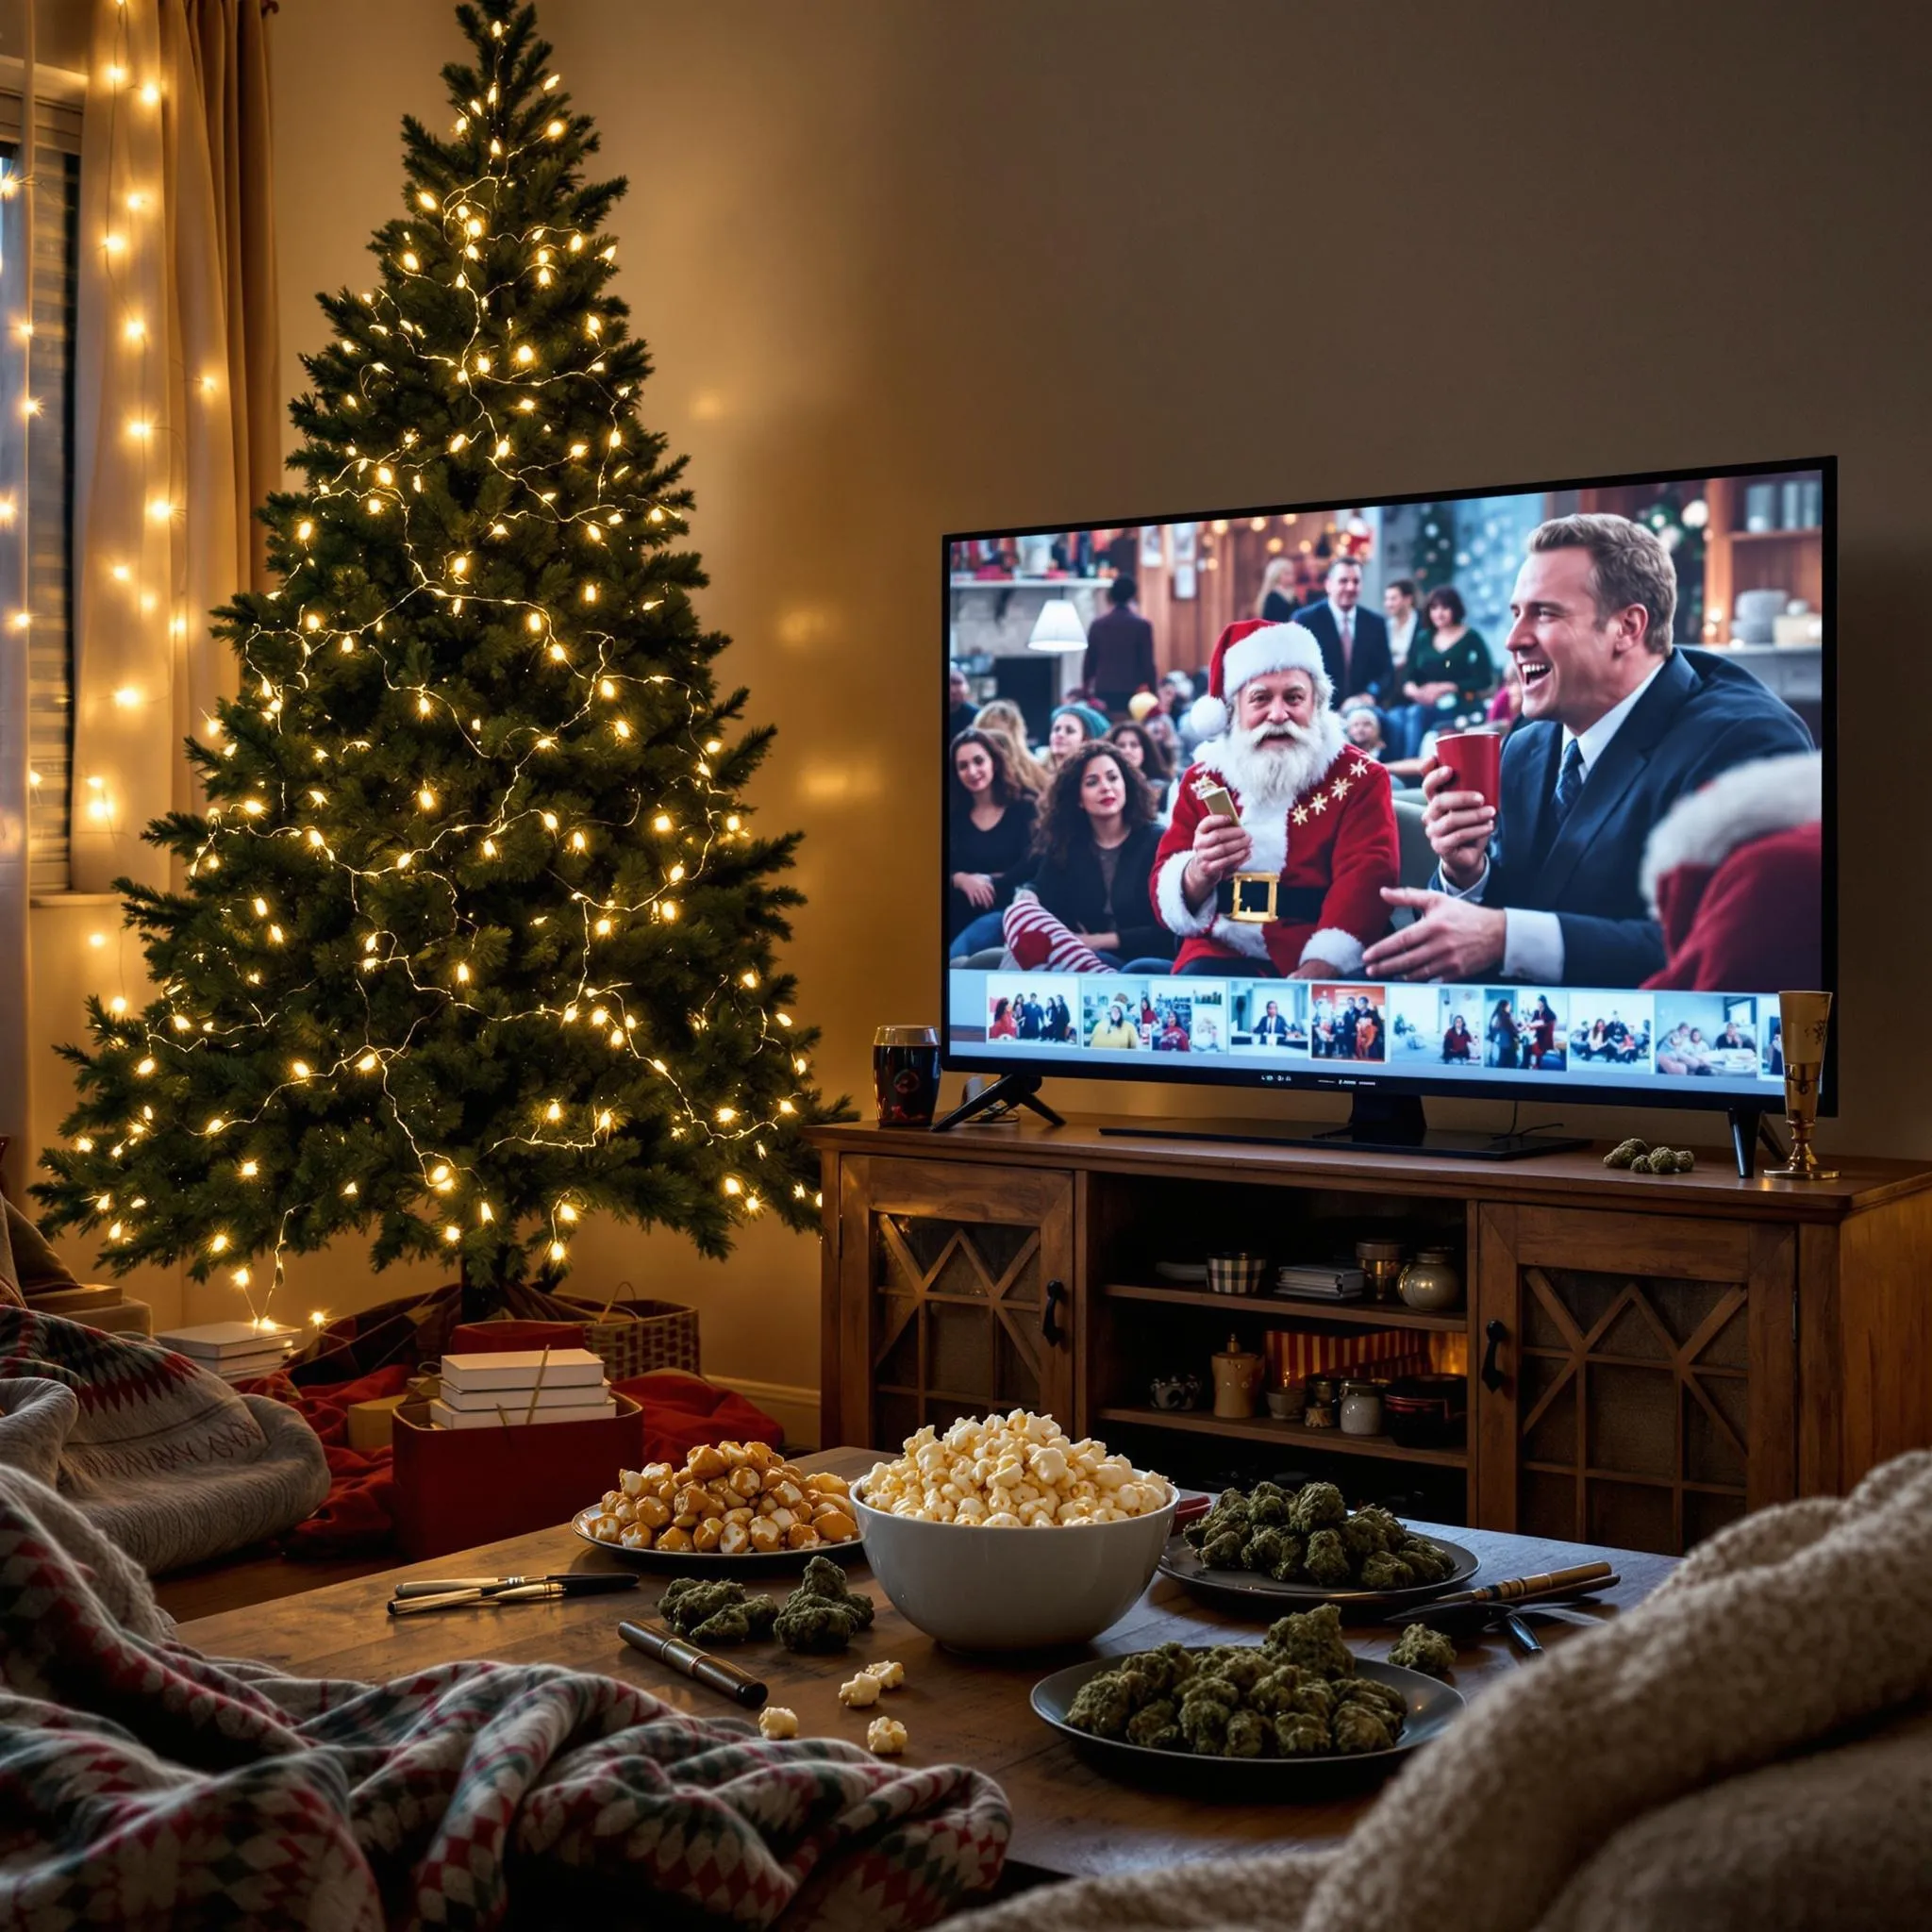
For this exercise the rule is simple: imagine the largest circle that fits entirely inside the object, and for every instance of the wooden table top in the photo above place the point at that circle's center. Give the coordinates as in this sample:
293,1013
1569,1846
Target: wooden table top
1069,1817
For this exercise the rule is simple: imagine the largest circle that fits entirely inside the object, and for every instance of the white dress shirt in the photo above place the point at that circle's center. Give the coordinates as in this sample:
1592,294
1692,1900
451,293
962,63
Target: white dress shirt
1533,941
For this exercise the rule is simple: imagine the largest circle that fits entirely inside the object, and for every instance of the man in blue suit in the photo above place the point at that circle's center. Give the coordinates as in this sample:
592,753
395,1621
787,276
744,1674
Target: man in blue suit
1354,642
1617,725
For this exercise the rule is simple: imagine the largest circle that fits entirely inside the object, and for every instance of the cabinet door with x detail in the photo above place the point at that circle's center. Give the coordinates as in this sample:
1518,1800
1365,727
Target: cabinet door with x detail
954,1295
1638,1378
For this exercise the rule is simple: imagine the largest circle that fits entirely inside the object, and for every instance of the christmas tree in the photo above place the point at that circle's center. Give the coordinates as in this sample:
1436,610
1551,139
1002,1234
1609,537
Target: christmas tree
475,937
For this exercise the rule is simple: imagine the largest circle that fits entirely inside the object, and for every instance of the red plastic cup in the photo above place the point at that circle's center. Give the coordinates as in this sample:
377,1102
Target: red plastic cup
1476,758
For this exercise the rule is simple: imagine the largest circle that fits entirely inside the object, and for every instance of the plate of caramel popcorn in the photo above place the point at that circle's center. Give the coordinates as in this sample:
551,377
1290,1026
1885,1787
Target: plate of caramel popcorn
728,1506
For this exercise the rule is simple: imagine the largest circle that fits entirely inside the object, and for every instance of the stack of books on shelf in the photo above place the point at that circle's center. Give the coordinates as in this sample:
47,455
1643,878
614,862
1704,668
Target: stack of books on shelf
551,1385
235,1351
1318,1284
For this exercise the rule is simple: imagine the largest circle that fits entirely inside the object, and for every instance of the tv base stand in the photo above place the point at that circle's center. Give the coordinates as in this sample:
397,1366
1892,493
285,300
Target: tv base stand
1007,1095
1749,1132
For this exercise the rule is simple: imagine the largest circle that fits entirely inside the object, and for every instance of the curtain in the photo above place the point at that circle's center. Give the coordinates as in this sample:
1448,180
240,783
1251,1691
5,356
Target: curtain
16,1013
176,401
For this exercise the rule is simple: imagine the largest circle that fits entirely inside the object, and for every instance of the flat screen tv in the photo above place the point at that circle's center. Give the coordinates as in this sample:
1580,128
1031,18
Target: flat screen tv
1523,792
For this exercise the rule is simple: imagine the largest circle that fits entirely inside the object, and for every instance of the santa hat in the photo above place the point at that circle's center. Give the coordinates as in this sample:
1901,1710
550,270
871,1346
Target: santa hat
1255,648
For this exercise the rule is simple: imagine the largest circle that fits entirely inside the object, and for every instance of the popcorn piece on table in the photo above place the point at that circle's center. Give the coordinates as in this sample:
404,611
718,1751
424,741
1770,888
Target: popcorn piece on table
885,1737
775,1721
1017,1470
889,1674
861,1690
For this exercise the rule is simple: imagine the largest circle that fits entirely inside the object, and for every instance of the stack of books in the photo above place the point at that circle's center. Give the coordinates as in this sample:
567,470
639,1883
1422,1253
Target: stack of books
552,1385
235,1351
1322,1284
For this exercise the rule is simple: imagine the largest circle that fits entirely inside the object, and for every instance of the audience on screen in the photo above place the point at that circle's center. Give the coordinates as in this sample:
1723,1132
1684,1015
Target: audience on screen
989,835
1355,642
1275,600
1446,676
1028,771
1073,726
1141,750
1082,902
1119,650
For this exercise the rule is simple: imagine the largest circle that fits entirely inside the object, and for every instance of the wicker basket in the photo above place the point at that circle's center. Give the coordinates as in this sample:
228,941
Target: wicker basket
635,1337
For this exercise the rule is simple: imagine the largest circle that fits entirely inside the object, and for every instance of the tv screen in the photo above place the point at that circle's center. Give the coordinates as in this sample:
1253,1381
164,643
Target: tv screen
1518,789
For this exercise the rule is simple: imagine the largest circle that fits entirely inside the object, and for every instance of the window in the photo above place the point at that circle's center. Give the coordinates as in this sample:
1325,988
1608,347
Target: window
45,492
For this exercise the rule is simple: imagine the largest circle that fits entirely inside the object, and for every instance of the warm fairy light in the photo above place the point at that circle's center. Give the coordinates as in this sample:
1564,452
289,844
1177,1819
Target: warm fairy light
452,1233
219,1245
733,1185
463,976
249,1170
557,1251
554,1112
728,1114
300,1069
425,199
566,1213
146,1066
409,262
554,129
426,799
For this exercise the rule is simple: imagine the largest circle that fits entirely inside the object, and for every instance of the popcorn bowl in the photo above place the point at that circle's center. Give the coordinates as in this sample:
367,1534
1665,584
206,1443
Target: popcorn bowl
974,1588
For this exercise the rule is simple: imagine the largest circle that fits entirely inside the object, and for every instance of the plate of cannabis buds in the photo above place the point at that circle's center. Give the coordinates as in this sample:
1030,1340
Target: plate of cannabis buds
1271,1548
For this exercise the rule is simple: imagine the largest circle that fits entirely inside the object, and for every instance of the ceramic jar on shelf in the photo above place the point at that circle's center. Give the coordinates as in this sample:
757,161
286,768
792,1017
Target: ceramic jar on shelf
1237,1380
1431,1284
1361,1408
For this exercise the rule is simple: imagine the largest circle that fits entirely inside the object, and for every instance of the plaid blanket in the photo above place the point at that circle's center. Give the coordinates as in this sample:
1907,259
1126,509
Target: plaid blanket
142,1785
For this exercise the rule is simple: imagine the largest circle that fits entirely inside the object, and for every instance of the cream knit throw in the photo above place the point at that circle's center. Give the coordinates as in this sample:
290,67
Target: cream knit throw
1751,1747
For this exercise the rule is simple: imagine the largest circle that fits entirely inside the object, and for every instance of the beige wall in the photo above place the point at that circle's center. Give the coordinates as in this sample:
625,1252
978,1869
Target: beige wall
912,268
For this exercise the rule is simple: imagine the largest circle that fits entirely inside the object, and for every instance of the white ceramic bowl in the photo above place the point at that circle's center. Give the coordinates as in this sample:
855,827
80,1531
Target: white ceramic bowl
1012,1588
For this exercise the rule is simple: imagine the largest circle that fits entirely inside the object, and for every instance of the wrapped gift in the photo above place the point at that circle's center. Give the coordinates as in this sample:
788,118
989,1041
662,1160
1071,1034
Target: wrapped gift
460,1487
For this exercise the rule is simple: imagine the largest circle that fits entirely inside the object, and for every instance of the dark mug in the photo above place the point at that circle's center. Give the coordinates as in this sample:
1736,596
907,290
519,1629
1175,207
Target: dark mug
905,1074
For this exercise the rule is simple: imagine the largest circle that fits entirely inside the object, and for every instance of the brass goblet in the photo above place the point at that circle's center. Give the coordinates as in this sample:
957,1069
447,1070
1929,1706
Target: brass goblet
1802,1019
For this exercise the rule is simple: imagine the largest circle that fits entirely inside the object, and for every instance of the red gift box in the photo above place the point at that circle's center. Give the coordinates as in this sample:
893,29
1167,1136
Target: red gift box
460,1487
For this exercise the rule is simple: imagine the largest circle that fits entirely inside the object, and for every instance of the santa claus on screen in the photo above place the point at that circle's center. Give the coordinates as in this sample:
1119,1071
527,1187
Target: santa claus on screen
1313,812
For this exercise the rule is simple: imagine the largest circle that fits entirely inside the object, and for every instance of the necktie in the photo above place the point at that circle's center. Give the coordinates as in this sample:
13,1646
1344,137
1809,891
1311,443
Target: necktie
1346,621
1570,782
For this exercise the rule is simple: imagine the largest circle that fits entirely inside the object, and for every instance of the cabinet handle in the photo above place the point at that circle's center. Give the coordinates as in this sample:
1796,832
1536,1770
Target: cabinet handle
1050,1329
1492,1375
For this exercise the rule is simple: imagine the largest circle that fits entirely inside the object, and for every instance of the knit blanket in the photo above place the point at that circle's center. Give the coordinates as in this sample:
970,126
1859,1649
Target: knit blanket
171,1463
1751,1747
142,1785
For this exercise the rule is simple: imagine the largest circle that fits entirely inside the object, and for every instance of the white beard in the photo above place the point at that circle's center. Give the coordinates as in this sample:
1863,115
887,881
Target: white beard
1275,772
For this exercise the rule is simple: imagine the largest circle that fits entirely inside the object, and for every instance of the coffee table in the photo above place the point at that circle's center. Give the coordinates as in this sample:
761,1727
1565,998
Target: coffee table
1069,1819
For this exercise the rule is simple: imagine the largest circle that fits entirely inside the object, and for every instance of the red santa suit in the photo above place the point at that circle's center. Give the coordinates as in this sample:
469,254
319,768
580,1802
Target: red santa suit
1735,873
1334,844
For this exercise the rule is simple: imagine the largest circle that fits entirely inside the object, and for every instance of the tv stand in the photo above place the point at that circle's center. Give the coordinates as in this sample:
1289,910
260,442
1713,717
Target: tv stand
1378,1123
1007,1095
1749,1132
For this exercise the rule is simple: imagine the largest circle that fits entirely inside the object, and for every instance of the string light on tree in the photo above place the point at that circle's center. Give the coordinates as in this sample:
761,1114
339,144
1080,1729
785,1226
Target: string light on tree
384,981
